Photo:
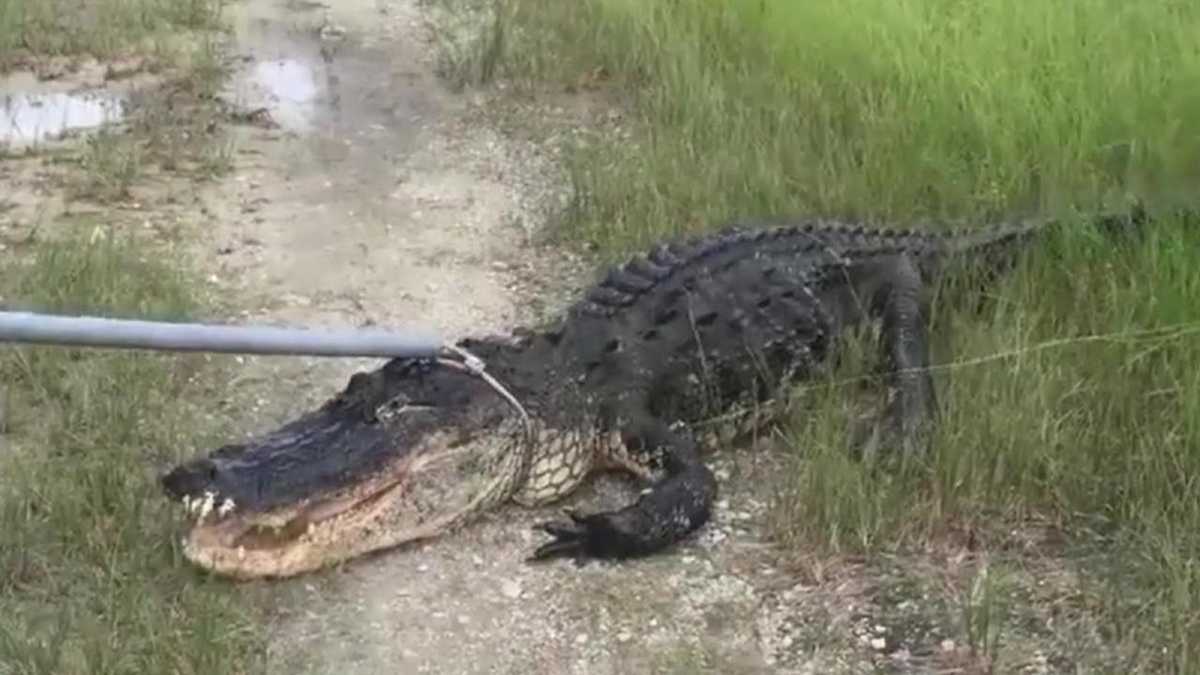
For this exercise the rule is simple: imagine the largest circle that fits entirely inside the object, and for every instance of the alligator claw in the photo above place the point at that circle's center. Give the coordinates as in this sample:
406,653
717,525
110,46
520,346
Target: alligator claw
583,537
558,548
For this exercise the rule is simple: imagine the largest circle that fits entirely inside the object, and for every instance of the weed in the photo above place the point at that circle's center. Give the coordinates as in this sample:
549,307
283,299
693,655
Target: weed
91,578
93,581
898,111
111,162
102,29
471,39
173,127
983,608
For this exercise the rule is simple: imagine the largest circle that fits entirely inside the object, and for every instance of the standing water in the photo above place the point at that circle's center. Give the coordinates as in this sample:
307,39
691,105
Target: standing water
31,112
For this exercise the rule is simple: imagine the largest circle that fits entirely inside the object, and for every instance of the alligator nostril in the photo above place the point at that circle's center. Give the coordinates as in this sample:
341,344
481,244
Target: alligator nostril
191,478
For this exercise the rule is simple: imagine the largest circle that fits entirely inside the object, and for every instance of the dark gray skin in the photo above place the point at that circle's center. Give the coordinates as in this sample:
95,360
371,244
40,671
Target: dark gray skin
664,341
343,441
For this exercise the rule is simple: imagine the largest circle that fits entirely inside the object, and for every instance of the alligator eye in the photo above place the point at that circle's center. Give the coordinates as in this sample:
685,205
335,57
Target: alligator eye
397,406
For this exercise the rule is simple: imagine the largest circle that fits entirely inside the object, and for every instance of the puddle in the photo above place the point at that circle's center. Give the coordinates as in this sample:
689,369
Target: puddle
325,79
286,73
28,118
291,89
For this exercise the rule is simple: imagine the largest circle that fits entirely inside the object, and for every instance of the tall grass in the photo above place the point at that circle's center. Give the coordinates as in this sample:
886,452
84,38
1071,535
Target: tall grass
101,28
1072,403
873,108
91,580
1073,399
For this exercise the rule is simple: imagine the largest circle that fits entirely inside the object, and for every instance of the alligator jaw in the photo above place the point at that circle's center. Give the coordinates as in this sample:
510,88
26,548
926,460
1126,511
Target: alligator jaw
402,454
433,488
289,540
239,549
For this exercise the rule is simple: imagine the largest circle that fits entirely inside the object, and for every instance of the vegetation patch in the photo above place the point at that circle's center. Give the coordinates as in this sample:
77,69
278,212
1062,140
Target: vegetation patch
896,111
42,32
91,578
175,127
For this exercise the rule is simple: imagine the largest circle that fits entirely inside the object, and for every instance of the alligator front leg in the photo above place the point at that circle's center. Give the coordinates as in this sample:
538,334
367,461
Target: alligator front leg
673,508
911,404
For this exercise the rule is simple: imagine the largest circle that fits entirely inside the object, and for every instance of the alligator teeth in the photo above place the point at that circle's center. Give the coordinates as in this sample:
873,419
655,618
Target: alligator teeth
241,553
226,507
206,505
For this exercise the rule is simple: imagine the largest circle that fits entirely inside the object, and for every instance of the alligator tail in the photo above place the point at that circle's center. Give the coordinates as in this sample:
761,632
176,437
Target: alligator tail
1006,235
986,239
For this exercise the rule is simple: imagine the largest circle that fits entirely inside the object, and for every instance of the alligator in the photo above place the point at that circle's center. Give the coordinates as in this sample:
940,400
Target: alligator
721,324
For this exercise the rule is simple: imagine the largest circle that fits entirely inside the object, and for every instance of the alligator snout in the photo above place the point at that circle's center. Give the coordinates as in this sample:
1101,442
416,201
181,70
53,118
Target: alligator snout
191,478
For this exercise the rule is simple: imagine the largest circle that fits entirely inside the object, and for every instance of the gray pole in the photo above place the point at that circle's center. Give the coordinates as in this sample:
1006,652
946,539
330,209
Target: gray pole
185,337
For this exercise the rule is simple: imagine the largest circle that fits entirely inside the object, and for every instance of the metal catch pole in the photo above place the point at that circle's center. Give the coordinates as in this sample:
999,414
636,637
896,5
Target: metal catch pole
192,337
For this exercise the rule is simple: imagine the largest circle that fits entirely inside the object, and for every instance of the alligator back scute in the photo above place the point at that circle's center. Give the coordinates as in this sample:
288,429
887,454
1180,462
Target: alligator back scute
718,297
677,301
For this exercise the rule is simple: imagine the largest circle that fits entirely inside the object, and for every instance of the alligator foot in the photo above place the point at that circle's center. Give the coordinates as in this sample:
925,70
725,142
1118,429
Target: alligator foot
599,535
910,407
673,508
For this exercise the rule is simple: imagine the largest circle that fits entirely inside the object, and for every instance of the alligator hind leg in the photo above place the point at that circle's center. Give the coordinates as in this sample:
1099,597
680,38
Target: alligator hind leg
904,350
671,509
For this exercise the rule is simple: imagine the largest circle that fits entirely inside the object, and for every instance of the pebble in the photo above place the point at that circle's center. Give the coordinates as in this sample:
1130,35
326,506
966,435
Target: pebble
510,589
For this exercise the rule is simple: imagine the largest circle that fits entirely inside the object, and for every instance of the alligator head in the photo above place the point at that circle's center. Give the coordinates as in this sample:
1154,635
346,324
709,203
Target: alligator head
402,453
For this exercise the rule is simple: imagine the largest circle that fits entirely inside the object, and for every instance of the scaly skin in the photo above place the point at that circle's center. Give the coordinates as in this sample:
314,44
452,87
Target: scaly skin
683,334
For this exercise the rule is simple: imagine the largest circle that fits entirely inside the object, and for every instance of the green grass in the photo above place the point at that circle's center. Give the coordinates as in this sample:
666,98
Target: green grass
963,110
1071,404
171,127
174,128
92,581
100,28
176,36
91,578
896,110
